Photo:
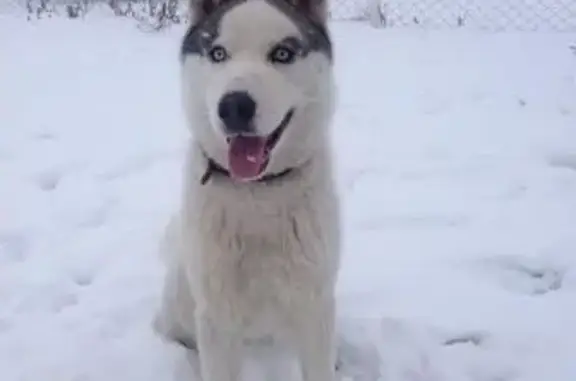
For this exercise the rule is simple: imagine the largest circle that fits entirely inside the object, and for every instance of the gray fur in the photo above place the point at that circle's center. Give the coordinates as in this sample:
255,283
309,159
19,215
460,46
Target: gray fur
201,34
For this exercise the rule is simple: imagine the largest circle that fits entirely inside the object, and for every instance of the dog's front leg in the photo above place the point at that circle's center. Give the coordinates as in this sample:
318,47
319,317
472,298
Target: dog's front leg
219,351
316,343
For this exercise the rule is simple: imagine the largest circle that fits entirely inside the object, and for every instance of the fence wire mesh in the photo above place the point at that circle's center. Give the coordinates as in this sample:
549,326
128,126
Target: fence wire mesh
520,15
492,15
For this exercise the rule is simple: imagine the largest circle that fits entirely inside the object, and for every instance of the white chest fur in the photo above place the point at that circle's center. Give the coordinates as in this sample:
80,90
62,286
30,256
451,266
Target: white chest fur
259,252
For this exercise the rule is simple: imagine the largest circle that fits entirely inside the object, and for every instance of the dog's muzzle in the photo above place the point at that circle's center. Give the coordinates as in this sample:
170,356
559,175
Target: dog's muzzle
249,154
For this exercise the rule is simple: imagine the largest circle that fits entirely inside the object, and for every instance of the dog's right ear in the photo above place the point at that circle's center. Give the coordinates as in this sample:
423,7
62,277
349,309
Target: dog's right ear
200,9
317,10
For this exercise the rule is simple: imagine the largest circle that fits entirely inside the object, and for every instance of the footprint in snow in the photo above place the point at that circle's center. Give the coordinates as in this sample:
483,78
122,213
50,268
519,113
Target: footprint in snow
48,180
44,136
564,161
471,338
83,279
526,275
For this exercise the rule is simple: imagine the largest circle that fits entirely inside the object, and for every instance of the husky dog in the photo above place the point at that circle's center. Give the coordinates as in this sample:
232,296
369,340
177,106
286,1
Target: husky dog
254,252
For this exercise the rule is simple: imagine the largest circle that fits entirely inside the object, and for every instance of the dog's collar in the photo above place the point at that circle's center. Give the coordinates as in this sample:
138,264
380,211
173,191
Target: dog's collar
215,168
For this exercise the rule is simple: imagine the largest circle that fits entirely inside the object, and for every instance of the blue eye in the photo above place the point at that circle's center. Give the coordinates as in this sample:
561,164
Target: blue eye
218,54
282,54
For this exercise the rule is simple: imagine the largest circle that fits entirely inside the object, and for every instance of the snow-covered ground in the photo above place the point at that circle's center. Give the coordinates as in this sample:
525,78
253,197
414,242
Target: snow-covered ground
457,169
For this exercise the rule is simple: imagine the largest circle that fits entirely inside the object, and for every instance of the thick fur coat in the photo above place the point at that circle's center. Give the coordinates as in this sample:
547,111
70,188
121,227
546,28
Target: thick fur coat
256,258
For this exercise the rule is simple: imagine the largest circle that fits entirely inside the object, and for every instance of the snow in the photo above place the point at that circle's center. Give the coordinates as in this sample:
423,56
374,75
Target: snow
456,157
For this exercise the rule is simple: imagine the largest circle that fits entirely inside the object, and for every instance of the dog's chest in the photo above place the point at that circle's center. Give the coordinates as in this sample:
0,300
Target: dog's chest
258,264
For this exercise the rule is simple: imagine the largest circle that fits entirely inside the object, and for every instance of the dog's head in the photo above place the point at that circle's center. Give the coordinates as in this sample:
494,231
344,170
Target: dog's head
257,82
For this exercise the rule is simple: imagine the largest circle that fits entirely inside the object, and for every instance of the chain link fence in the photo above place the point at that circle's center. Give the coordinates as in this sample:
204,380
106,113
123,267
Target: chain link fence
494,15
491,15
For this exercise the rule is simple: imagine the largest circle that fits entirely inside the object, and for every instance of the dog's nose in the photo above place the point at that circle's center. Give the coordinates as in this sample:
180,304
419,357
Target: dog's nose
237,110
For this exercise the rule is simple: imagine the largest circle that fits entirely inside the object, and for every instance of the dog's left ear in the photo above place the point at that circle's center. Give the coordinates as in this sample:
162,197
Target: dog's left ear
200,9
317,10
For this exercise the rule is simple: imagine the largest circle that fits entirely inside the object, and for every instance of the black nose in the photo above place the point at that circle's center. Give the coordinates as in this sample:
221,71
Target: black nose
237,110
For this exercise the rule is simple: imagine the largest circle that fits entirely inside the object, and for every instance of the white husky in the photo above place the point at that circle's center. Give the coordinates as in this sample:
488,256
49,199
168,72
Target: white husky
254,252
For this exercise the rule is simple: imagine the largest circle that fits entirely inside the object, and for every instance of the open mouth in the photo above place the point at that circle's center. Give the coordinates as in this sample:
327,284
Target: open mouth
249,155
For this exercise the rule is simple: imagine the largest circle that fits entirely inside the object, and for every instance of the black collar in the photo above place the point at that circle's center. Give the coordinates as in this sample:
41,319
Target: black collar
215,168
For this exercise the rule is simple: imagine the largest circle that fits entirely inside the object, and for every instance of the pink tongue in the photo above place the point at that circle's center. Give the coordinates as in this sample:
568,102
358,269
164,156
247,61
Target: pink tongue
246,156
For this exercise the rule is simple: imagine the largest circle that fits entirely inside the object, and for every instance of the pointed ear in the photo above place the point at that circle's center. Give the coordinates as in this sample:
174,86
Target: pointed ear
317,10
200,9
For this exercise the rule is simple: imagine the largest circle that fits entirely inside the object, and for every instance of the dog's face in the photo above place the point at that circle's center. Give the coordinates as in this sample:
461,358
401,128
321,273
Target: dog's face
257,82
